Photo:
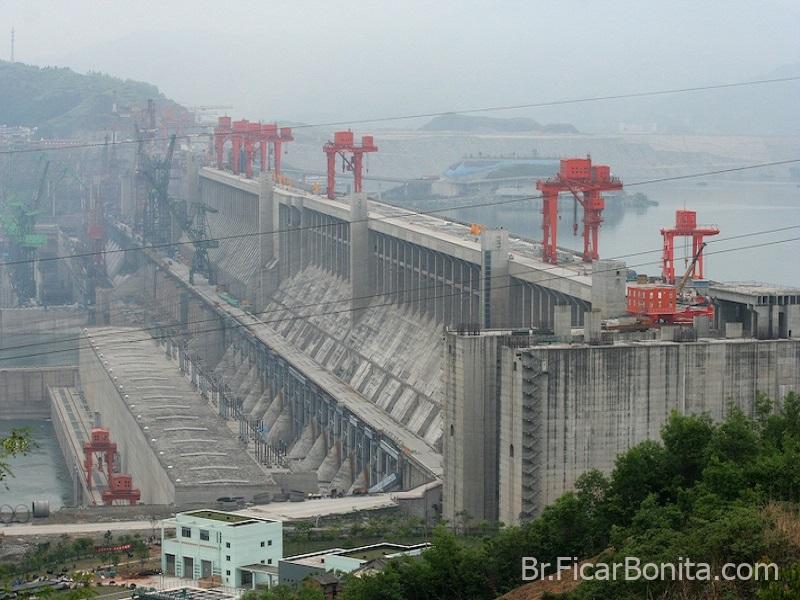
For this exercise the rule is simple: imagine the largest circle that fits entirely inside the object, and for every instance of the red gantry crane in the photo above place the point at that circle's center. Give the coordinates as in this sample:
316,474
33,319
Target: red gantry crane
685,226
665,302
585,182
246,136
120,485
343,144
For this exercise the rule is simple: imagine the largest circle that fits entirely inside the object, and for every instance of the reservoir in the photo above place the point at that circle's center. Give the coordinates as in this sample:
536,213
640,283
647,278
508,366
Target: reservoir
39,475
738,208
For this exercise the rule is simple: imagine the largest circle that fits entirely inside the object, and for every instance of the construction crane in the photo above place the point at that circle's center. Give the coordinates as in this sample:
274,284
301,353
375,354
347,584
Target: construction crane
245,137
19,223
199,233
585,182
157,210
343,145
685,226
668,303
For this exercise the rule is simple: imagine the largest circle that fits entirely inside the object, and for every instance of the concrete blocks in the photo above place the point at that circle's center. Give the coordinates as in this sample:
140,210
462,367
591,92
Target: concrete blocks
562,323
733,330
593,326
609,283
702,326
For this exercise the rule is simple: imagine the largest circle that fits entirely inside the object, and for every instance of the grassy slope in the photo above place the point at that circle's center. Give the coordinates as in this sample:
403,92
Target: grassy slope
64,103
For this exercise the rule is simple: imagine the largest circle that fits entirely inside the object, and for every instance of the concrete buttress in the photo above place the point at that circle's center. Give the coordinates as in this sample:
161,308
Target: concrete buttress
330,466
316,455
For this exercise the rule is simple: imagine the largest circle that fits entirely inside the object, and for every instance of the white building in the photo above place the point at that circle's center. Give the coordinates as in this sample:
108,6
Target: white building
214,544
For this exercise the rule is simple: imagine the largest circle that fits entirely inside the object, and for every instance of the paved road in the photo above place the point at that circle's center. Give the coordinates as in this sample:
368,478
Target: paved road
280,511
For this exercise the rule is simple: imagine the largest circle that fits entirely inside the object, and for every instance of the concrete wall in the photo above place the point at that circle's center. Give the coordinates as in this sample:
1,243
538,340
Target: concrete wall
577,408
28,321
510,443
136,454
23,391
470,436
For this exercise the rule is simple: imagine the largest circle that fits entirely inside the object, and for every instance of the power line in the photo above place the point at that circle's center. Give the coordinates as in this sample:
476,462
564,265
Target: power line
498,108
391,303
286,290
395,216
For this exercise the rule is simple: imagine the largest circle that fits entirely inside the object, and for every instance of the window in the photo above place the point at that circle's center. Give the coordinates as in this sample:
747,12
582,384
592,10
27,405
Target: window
186,532
269,561
204,535
452,430
227,572
228,557
511,450
227,544
262,544
269,542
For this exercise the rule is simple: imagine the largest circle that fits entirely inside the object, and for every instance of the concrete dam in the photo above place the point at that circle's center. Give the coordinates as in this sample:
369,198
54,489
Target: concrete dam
326,347
335,368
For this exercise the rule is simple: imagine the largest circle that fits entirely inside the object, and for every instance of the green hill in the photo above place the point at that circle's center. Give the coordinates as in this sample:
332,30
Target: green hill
62,103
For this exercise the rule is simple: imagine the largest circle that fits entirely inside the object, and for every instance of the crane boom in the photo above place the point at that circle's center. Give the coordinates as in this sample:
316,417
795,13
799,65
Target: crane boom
690,269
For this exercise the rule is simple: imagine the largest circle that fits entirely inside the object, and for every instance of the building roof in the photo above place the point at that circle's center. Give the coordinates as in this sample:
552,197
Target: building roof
185,593
260,568
755,288
229,518
363,553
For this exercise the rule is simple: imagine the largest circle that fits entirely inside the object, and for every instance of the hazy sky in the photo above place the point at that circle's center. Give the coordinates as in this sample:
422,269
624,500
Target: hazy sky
325,59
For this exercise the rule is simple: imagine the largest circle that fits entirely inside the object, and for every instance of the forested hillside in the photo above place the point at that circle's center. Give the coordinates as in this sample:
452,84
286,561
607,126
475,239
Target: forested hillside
62,103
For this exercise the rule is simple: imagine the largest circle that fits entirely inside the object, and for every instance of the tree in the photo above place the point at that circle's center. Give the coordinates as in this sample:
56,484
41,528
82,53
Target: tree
141,551
639,472
17,443
786,588
686,440
282,592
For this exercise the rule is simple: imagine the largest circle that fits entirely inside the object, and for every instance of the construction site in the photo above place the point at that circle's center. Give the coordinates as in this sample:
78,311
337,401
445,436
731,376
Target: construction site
246,337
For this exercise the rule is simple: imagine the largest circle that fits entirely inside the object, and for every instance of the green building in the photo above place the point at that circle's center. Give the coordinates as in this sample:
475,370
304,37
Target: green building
214,544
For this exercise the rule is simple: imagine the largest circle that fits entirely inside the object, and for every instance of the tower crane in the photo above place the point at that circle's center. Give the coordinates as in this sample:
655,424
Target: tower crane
199,233
158,211
19,220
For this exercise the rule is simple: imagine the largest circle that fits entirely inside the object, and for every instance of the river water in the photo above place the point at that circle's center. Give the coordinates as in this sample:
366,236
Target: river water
738,208
39,475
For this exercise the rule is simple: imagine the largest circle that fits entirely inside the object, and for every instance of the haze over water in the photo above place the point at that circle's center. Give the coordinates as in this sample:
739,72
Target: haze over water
737,208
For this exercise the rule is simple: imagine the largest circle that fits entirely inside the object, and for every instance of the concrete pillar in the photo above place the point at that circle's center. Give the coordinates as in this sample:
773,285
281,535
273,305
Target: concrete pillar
361,267
668,333
562,323
495,305
609,278
702,325
793,321
762,322
593,326
269,273
469,449
733,330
